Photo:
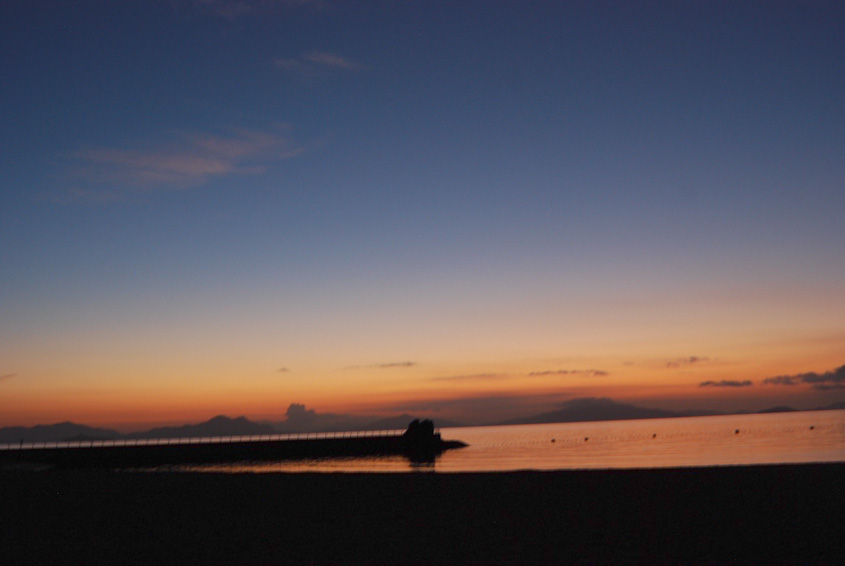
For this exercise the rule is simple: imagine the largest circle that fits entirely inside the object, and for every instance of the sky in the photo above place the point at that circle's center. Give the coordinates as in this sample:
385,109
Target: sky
469,210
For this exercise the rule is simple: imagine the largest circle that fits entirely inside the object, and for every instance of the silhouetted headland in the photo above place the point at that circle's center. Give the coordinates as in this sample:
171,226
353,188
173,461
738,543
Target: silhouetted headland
419,443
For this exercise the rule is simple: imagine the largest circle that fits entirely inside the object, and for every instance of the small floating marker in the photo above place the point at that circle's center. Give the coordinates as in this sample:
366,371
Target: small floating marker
553,439
812,428
654,435
736,431
586,438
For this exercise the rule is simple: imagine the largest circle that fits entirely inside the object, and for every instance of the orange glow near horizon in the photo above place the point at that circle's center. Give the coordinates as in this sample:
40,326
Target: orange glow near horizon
634,353
392,388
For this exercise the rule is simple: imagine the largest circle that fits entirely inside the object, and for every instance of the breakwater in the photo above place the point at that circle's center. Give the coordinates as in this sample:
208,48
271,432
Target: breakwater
138,453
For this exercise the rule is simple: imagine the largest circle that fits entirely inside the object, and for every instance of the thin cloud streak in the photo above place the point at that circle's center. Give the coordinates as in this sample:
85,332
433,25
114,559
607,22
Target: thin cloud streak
332,60
496,376
471,377
584,372
726,383
317,63
190,160
7,376
686,361
386,365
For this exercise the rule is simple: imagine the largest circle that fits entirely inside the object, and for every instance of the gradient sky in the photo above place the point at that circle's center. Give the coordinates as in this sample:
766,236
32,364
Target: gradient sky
474,210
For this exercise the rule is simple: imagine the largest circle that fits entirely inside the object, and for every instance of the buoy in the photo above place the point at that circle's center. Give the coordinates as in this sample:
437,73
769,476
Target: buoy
736,431
586,438
812,428
553,439
654,436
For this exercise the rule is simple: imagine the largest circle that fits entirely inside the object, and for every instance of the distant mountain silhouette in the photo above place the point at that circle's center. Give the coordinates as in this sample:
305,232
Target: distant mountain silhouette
55,432
838,406
698,413
576,410
587,409
779,409
218,426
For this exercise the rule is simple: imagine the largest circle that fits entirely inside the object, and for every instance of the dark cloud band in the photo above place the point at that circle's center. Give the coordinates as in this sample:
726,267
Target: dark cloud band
726,383
833,379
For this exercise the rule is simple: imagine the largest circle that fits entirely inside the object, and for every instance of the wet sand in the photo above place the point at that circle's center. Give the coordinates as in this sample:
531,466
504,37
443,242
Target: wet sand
790,514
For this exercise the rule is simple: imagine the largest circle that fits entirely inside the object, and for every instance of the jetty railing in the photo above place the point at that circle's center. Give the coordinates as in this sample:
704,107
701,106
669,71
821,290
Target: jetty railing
128,442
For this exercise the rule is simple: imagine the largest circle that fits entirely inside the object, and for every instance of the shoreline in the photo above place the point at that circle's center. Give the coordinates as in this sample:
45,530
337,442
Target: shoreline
764,514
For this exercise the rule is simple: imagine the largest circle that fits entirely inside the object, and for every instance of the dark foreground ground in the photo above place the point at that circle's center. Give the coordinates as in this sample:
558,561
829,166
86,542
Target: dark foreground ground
745,515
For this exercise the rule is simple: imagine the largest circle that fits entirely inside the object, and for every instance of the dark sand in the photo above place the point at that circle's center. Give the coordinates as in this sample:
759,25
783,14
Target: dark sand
791,514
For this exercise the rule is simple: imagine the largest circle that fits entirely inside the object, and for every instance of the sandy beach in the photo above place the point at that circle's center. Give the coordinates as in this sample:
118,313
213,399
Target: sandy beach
790,514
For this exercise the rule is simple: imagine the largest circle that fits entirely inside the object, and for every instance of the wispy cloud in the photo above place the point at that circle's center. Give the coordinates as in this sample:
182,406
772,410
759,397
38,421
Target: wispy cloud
726,383
7,376
688,361
332,60
396,365
544,373
471,377
833,379
317,63
282,370
184,160
583,372
385,365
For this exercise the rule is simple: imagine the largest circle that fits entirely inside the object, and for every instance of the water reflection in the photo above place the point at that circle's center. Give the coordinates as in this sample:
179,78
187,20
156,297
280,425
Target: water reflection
817,436
392,464
801,437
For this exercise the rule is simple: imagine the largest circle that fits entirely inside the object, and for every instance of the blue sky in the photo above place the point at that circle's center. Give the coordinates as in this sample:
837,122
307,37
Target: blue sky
196,194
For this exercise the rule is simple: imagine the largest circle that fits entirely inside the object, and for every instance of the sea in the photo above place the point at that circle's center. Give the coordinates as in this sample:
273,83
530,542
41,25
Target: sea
734,440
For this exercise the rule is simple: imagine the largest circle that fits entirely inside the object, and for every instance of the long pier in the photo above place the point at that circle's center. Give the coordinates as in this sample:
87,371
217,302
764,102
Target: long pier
137,453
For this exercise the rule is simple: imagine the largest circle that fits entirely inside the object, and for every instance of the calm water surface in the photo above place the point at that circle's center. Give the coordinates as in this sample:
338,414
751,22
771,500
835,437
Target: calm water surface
817,436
